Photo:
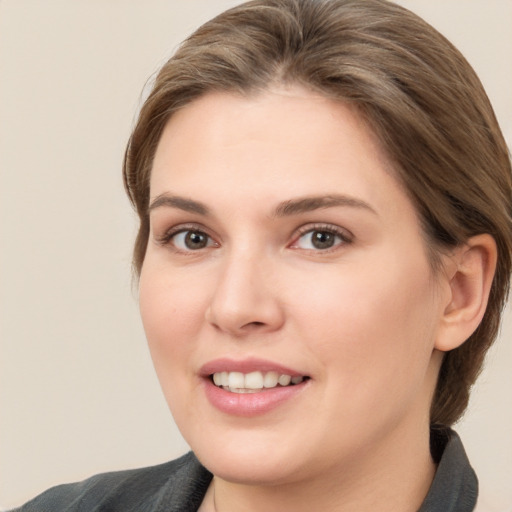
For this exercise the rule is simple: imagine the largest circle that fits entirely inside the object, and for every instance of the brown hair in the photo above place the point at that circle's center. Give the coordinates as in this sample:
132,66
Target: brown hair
418,94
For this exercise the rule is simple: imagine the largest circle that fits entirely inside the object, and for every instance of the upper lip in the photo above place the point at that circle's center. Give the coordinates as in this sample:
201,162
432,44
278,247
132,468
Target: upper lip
246,366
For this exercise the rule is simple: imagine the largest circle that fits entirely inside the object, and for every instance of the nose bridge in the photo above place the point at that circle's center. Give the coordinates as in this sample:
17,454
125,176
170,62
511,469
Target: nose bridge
244,298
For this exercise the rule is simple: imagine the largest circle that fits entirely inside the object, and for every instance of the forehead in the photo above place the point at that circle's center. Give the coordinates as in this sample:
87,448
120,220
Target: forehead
279,143
286,117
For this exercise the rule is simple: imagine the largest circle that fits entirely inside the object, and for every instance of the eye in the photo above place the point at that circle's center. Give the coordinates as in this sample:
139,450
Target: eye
321,239
191,240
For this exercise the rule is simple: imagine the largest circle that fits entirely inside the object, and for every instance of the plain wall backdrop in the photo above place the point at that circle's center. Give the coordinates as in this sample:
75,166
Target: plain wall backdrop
78,394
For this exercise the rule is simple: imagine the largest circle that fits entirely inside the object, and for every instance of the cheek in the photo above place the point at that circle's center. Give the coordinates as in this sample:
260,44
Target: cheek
171,301
172,314
171,319
373,327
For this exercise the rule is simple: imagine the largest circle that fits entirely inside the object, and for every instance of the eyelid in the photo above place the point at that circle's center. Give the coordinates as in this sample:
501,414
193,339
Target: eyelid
167,235
346,236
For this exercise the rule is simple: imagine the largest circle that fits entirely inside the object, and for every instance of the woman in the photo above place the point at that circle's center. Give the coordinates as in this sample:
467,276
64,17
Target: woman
324,251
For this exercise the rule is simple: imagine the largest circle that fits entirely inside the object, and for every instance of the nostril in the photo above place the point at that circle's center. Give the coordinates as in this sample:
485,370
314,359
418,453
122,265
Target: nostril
254,324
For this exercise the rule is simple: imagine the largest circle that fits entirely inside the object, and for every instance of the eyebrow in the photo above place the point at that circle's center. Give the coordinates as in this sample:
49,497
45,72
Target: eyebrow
307,204
284,209
181,203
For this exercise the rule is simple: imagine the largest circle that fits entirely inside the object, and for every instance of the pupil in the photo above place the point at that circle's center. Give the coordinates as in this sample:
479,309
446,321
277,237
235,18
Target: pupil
195,240
322,239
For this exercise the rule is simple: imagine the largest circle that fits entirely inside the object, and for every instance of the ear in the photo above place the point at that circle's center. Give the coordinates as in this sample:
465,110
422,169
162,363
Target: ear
470,274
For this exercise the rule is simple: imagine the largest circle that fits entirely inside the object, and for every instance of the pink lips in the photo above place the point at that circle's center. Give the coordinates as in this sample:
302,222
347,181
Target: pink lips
245,366
248,404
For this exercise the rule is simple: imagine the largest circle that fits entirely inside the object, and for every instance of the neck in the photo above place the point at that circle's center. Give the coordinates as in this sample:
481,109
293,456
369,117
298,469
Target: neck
393,476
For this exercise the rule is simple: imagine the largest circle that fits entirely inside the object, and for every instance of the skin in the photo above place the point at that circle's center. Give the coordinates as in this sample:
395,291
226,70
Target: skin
362,318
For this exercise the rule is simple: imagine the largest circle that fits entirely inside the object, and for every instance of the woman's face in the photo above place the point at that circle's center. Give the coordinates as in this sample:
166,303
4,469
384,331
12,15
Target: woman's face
282,246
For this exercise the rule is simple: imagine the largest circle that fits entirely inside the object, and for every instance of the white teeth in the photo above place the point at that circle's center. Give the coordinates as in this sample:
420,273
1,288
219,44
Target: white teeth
238,382
254,380
270,379
284,380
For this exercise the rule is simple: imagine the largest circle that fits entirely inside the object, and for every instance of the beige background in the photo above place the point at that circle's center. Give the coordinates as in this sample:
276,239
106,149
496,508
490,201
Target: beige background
78,394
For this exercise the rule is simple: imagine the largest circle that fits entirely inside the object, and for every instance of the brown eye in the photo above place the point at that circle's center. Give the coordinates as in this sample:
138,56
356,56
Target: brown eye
191,240
321,240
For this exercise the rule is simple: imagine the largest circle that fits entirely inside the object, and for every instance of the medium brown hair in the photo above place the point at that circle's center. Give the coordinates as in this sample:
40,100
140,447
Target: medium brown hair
417,93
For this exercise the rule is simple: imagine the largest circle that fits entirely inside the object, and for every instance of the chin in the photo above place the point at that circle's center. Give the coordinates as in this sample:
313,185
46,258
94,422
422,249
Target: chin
251,470
249,458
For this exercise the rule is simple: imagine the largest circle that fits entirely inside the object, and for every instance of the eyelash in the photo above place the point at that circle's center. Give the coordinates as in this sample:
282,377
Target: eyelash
167,236
344,236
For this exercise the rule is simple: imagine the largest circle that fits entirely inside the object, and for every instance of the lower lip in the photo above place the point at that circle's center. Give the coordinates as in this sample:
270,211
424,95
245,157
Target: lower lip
250,404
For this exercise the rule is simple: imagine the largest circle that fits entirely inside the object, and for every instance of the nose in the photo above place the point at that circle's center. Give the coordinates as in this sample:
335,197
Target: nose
246,299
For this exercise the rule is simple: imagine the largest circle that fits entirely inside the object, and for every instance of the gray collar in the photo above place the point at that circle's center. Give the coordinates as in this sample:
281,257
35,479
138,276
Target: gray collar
455,486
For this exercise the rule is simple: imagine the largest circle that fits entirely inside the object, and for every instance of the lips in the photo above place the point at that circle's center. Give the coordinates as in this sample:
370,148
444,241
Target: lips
250,387
245,366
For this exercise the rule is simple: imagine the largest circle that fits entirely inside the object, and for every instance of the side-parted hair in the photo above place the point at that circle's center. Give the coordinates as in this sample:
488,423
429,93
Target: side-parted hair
416,92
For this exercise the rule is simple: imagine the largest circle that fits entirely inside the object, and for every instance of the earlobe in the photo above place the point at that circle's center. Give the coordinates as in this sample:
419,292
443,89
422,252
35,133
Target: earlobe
470,282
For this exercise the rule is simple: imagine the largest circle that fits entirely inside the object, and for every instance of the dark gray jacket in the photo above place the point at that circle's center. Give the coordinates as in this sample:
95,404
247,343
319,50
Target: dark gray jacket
180,485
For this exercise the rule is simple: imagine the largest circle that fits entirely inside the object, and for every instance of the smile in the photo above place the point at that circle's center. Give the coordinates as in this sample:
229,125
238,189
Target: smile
252,386
253,382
